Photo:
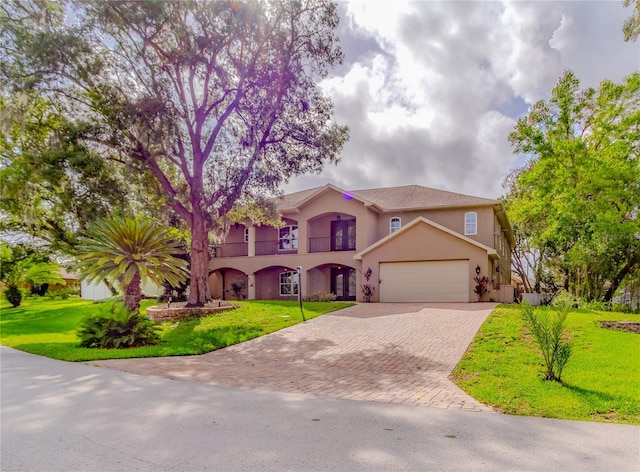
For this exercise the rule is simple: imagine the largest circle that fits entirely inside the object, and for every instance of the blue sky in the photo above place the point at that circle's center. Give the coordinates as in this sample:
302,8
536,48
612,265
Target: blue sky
431,89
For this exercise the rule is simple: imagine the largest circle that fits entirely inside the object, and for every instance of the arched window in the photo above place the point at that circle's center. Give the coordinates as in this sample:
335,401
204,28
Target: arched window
288,283
470,223
394,224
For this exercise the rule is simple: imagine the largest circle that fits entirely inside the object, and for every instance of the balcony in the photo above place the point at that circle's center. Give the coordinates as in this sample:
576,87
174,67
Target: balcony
274,247
320,244
230,250
270,248
329,244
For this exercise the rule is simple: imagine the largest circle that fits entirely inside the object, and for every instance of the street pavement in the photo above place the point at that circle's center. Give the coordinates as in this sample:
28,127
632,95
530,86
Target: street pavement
59,416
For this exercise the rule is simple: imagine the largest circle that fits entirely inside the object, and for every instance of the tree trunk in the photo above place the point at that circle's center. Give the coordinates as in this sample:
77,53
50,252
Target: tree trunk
615,283
199,293
133,294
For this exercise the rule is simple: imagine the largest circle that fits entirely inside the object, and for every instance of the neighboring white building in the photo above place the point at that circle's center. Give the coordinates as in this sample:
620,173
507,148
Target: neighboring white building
94,290
99,291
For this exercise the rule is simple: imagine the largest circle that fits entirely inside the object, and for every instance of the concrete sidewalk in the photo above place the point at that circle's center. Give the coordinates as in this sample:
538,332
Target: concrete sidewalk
393,353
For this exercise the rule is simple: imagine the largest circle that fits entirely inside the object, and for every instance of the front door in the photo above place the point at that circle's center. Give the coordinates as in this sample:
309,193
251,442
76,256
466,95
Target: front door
343,283
343,235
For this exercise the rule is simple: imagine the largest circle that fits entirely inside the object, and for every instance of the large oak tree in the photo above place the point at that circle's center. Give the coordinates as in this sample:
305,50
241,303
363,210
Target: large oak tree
217,100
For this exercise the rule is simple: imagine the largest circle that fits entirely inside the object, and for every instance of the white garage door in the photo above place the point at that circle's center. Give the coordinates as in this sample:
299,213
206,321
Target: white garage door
425,281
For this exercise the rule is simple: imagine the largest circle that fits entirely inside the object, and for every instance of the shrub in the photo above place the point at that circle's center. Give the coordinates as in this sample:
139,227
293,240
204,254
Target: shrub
481,286
113,326
64,292
548,332
320,297
14,295
368,289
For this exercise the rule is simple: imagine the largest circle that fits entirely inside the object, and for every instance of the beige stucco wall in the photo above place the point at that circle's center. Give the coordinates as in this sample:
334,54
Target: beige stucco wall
452,218
235,235
423,242
328,206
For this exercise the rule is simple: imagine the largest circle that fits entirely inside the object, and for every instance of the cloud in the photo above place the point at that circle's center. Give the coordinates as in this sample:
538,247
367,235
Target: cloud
431,90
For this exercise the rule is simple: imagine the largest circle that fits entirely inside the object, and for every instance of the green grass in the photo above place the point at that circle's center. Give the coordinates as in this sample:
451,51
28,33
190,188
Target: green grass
601,381
48,328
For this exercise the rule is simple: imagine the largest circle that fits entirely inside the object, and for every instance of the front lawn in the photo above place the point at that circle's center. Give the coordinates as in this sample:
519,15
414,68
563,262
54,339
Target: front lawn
48,328
601,380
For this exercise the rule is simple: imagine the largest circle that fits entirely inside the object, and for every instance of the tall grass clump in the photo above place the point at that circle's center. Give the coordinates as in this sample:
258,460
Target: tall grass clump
548,330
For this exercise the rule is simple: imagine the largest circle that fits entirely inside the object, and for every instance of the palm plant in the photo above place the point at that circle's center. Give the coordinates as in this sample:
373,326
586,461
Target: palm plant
125,251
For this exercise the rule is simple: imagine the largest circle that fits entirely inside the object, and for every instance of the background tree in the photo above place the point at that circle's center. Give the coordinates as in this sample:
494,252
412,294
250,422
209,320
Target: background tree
218,100
52,185
126,251
578,196
21,267
631,26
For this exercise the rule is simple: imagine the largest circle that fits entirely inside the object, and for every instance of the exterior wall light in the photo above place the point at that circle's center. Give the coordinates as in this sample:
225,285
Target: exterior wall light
478,269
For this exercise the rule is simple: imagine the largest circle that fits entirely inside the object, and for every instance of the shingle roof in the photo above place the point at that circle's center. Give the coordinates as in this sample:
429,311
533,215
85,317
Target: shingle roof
291,200
417,196
397,198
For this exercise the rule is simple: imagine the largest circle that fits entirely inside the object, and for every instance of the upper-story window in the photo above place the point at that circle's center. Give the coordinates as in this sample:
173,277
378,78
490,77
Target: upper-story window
394,224
288,283
470,223
288,238
246,235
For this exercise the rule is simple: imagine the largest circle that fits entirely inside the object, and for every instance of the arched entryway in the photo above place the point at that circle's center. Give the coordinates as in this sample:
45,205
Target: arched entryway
343,282
338,279
228,284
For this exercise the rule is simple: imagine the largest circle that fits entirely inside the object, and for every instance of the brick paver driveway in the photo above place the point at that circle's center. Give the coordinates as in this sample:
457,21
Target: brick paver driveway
397,353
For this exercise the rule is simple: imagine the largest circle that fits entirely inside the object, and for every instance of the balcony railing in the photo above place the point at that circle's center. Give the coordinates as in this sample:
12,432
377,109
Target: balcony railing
320,244
324,245
270,248
273,247
231,250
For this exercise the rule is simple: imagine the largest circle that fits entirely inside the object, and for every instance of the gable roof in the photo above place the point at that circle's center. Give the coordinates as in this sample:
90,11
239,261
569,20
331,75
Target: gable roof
409,197
294,201
421,220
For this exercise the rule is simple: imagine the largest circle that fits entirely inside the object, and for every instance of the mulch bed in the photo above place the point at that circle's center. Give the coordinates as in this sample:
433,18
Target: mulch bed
631,326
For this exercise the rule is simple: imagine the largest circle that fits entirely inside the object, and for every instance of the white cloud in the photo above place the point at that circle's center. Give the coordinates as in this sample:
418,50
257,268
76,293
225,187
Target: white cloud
431,90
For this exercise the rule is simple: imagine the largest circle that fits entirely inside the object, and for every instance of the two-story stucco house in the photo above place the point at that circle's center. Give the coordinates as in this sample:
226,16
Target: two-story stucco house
420,244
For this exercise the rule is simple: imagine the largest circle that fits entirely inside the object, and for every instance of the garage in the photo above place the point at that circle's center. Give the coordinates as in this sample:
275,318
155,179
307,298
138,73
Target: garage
425,281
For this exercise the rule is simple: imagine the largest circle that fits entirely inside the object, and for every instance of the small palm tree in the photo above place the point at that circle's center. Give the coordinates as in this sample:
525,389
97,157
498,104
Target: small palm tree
126,250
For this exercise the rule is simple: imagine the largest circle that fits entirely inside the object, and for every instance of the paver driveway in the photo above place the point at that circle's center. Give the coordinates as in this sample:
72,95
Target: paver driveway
397,353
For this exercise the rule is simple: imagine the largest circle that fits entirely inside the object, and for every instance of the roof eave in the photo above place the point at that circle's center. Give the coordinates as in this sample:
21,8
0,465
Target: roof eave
441,207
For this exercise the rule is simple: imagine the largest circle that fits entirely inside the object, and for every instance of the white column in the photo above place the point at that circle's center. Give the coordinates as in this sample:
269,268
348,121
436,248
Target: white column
252,241
251,289
302,237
